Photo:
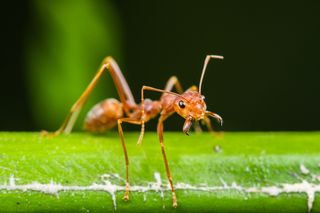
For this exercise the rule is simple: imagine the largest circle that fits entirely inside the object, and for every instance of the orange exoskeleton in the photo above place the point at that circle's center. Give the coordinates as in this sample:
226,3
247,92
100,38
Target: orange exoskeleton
110,112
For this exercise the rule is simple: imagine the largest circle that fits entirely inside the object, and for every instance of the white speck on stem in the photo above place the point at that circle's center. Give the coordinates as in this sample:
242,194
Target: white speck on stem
12,181
304,169
248,169
159,183
223,182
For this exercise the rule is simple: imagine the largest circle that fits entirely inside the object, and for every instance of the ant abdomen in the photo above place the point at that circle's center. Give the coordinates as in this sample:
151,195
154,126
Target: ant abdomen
103,116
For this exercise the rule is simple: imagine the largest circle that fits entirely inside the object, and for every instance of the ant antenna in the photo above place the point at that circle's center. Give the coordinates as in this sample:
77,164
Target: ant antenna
206,61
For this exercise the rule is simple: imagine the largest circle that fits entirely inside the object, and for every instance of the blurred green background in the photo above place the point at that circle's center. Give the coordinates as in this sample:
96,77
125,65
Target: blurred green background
269,79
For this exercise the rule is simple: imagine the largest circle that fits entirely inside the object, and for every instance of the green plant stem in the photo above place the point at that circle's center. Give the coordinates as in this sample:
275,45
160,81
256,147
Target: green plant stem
238,163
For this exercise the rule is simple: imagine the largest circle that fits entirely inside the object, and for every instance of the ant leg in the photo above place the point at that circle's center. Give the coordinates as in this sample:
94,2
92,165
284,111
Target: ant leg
122,87
193,88
173,82
197,127
69,121
207,122
160,134
142,107
132,121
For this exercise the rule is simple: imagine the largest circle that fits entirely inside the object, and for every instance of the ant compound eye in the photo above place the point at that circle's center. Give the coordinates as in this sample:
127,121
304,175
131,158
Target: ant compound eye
181,104
203,97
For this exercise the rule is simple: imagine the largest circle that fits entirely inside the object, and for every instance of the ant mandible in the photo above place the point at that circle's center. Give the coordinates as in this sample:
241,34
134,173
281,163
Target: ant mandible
109,112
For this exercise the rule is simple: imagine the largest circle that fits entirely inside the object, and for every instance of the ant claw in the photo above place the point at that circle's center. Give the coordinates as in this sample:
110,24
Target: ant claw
47,134
175,205
174,200
139,141
126,196
126,193
44,133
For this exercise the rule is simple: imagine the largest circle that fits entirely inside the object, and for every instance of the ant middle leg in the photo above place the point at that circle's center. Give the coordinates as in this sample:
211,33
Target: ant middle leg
173,82
131,121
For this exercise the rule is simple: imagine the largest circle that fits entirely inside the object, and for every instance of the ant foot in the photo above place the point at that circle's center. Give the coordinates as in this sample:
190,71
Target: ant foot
139,143
47,134
126,196
174,200
140,139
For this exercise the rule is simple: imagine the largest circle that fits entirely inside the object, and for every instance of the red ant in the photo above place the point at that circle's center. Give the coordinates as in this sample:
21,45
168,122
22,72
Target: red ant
106,114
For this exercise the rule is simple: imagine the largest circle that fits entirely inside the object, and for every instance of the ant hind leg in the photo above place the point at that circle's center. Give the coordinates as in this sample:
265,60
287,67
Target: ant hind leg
121,85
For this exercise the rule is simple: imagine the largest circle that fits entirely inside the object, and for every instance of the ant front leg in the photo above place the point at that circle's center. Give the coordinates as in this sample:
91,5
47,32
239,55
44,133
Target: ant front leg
122,87
160,134
132,121
172,82
207,122
164,115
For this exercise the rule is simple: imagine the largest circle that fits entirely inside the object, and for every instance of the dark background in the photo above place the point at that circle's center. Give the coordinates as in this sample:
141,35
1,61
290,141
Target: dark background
269,79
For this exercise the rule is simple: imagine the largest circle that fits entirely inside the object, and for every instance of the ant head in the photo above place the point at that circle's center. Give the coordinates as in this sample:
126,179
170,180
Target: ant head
191,105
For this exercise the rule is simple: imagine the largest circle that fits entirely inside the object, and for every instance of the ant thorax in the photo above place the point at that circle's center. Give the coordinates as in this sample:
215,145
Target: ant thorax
151,109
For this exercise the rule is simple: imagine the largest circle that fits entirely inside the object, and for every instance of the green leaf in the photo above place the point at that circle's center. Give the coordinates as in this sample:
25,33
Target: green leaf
232,172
